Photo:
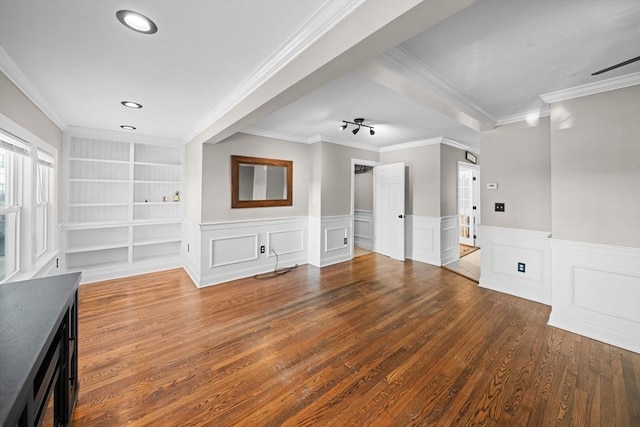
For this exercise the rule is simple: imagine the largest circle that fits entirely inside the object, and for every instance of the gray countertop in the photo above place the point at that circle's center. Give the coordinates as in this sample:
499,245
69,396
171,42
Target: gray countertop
30,312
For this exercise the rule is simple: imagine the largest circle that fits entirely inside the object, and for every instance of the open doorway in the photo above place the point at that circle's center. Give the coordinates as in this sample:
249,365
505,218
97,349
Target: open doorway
362,242
469,259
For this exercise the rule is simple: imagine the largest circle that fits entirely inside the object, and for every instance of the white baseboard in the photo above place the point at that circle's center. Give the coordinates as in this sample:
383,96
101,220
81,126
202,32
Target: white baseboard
126,270
503,248
596,291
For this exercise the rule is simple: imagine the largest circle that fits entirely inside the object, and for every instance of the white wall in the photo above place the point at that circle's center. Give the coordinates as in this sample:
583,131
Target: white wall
216,187
517,158
595,168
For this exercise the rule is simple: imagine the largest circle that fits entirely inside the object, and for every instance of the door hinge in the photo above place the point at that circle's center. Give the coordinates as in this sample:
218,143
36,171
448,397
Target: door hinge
475,237
474,178
474,208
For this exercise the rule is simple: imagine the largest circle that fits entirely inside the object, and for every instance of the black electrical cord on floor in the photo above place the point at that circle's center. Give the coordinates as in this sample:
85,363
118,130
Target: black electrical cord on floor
275,272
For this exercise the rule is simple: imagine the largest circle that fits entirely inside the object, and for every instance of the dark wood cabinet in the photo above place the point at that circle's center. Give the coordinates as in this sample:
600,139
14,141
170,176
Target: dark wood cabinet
39,351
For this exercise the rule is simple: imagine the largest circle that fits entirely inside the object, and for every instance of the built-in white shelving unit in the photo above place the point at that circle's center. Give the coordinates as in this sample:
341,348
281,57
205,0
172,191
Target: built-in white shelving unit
121,214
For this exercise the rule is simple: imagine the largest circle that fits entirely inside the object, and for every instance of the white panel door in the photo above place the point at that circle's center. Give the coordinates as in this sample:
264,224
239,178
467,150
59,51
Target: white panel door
388,207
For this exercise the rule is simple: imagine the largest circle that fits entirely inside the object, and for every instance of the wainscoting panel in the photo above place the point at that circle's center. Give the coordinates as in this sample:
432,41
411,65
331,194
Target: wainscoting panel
334,231
232,250
431,240
596,291
503,249
334,238
285,242
422,237
363,229
450,248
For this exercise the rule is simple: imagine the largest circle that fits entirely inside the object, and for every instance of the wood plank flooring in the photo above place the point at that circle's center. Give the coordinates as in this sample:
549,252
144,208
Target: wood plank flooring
372,342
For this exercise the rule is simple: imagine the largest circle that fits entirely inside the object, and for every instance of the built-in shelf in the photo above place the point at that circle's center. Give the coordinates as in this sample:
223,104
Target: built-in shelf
98,180
89,248
156,241
95,205
107,224
86,159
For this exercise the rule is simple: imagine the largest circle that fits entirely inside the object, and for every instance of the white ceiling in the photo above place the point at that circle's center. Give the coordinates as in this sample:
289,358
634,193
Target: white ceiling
490,60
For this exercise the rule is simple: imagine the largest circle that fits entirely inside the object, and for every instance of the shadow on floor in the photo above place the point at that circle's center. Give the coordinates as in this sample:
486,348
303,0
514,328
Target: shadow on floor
467,266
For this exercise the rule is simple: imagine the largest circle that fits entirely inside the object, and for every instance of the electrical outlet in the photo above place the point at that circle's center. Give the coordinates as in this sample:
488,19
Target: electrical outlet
521,267
499,207
345,240
262,249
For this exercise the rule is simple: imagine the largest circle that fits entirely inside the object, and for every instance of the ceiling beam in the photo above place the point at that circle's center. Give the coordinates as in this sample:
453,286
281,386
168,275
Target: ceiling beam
373,28
413,87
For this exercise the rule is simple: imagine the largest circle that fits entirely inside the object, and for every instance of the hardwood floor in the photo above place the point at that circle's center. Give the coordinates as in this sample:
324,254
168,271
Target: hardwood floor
368,342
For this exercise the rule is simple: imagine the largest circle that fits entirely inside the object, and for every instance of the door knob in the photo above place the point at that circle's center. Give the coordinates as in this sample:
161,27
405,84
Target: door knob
400,216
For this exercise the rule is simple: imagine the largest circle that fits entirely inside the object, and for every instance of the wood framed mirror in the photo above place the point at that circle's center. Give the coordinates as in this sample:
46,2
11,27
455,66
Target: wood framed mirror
258,182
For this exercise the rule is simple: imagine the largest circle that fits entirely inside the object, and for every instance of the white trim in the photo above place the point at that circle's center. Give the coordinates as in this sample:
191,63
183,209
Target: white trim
110,135
425,142
283,136
592,88
207,226
293,239
524,117
253,257
325,19
400,60
352,144
503,248
17,77
596,291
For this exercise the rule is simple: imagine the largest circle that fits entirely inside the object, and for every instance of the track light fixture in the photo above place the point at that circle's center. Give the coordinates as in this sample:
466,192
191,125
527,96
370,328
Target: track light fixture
359,122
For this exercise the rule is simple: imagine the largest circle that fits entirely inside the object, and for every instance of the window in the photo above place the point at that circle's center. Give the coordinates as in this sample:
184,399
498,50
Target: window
44,181
12,155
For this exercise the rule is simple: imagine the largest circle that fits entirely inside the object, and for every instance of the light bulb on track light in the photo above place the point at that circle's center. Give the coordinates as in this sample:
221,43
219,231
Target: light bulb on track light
356,130
343,127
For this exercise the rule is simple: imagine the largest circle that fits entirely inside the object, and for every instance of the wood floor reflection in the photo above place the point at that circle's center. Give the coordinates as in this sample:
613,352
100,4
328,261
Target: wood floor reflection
368,342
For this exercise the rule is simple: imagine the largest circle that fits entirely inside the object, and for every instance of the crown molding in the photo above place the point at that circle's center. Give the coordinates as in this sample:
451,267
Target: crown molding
278,135
411,144
455,144
352,145
326,18
402,61
17,77
112,135
592,88
304,140
424,143
523,117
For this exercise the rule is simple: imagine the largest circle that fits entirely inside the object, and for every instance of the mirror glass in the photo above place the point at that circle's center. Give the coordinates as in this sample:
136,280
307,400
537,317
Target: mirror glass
260,182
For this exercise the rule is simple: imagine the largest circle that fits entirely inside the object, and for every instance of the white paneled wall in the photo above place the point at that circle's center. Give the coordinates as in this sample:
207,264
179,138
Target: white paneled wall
596,291
363,229
227,251
503,249
332,234
431,240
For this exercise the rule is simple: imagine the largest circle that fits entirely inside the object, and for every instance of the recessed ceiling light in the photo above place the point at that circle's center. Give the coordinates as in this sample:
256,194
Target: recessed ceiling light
136,21
131,104
127,127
